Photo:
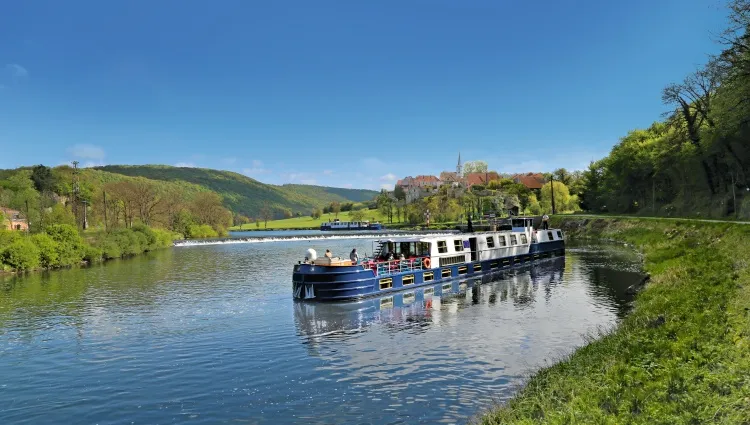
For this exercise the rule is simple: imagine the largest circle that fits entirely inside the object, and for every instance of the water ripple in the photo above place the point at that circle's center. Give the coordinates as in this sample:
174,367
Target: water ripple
210,334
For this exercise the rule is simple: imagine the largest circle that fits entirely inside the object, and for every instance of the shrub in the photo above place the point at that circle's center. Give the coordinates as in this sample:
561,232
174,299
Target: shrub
48,250
164,238
21,255
201,231
7,237
110,249
149,241
127,241
69,243
92,254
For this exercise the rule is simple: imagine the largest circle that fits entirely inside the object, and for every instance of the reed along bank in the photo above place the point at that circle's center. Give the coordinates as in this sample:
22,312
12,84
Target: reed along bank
681,357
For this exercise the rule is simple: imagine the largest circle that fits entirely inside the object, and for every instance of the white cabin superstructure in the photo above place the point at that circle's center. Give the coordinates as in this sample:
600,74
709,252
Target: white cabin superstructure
447,250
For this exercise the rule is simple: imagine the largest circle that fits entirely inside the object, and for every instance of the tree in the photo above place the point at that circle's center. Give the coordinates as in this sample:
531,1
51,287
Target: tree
265,213
335,208
146,199
358,215
43,179
207,208
25,198
693,99
241,220
562,175
475,167
385,205
399,193
315,213
562,197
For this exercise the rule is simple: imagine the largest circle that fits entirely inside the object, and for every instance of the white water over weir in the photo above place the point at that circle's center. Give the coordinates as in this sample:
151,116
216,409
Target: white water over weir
261,239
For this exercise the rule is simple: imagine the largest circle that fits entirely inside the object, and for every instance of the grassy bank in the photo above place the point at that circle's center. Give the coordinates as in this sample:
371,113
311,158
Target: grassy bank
681,357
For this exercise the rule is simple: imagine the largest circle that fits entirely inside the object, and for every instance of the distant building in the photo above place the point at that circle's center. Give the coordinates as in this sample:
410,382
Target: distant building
481,178
12,220
532,181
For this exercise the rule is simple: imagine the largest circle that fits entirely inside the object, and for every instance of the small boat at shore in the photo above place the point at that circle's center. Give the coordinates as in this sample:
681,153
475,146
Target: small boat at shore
337,224
404,263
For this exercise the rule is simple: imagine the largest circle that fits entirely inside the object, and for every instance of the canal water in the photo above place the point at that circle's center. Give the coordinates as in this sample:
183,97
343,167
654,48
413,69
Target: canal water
210,334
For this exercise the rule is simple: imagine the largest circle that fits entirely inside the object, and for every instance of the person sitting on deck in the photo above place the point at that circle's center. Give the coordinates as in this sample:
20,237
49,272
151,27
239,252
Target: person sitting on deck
353,256
328,253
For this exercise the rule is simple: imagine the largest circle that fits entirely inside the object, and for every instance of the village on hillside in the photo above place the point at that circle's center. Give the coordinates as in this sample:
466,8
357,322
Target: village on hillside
472,190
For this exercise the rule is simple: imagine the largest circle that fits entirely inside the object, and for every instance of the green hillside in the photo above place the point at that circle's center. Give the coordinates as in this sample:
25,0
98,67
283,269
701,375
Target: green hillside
245,195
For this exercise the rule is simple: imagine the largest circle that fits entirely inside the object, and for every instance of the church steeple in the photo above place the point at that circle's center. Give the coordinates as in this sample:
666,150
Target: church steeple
459,167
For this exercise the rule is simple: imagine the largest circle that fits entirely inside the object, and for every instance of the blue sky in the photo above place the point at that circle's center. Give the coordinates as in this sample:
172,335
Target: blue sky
340,93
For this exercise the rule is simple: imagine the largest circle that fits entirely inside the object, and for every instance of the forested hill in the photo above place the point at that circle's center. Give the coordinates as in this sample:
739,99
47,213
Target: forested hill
248,196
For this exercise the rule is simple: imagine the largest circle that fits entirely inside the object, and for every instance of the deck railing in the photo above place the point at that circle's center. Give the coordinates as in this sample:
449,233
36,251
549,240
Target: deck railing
385,268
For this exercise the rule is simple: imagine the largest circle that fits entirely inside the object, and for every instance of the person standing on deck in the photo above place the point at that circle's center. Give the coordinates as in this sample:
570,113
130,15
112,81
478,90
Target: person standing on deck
469,226
545,222
353,256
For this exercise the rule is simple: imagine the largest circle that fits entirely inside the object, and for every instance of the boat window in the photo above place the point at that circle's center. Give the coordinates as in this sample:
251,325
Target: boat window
458,244
549,235
559,234
501,240
513,240
442,247
524,240
490,241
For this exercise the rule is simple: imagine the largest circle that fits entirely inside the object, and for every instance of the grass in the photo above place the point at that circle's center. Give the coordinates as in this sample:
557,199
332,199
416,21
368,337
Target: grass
311,223
681,357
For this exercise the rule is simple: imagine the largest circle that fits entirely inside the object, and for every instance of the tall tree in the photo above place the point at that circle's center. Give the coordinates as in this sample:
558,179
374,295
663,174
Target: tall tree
475,167
265,213
693,99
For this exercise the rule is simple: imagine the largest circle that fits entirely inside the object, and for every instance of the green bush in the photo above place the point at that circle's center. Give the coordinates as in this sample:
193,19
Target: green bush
21,255
110,249
92,254
164,238
148,242
7,237
48,250
127,241
69,243
201,231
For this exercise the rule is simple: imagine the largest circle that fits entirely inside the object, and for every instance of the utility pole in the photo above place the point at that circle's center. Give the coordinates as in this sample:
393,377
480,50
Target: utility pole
104,193
552,191
85,220
28,220
75,191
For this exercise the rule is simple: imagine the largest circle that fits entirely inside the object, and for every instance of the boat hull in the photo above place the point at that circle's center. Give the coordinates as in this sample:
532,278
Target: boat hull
341,283
337,229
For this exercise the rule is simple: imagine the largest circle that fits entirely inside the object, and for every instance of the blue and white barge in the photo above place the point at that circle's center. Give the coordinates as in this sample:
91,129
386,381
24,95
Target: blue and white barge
404,263
337,224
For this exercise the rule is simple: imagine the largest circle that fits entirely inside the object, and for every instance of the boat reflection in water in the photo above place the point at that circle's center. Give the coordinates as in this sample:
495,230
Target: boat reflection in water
318,322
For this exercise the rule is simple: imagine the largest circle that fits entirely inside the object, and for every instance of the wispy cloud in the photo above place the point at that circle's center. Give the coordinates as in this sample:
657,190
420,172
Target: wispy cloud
309,181
17,70
185,164
256,169
327,172
390,177
86,151
230,160
387,186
